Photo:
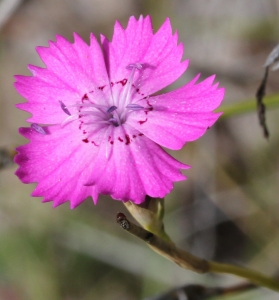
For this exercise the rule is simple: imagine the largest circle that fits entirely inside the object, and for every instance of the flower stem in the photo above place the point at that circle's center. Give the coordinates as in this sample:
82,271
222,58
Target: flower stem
188,261
247,106
251,275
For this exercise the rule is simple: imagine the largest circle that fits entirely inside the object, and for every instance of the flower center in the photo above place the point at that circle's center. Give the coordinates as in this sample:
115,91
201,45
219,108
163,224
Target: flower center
116,114
106,107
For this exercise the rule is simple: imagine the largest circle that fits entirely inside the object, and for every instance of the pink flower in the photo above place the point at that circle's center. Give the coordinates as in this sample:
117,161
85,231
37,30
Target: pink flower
105,129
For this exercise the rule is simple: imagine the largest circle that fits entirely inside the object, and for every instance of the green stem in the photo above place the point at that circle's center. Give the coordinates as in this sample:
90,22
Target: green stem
247,106
253,276
162,245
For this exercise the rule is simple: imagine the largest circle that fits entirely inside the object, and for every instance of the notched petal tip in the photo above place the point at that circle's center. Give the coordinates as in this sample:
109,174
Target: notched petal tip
95,199
45,200
58,37
33,69
21,176
118,25
221,91
41,50
24,131
55,204
194,80
186,63
165,27
103,38
77,37
209,80
19,80
167,22
133,19
93,39
19,159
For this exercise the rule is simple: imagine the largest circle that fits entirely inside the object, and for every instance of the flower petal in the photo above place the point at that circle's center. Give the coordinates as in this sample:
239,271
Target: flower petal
136,167
179,116
60,162
133,168
158,53
72,71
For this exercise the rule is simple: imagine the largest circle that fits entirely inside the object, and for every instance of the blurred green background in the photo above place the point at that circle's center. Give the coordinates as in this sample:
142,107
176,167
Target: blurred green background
227,210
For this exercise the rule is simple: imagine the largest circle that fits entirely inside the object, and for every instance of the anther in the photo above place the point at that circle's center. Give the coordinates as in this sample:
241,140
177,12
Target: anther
111,109
134,106
64,108
38,128
134,66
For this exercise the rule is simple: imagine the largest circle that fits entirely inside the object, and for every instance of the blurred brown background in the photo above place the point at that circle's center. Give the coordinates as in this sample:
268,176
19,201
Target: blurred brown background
228,208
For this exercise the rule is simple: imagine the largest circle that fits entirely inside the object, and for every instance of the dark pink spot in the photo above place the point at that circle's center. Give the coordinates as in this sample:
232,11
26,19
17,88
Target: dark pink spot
85,97
84,132
120,139
123,81
111,84
147,110
141,122
94,143
140,134
101,87
137,89
134,136
109,139
128,140
150,108
85,140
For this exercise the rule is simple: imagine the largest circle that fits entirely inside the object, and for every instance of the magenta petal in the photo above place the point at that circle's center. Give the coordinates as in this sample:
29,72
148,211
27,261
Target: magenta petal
159,54
60,169
72,173
72,71
78,64
136,167
180,116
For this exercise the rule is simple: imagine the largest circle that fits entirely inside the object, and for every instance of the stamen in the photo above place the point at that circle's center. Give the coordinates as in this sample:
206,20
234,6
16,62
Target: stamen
111,109
69,119
126,93
64,108
38,128
114,122
134,106
89,112
102,108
